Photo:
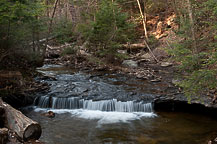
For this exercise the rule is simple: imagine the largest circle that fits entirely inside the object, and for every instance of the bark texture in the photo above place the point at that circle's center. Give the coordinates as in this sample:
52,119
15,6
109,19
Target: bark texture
23,126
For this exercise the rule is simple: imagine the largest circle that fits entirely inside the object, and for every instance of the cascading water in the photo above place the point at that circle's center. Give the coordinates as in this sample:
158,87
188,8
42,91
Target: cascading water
103,105
123,115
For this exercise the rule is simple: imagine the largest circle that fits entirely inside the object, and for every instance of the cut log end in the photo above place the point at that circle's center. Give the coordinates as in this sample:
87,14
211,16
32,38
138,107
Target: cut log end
32,132
25,128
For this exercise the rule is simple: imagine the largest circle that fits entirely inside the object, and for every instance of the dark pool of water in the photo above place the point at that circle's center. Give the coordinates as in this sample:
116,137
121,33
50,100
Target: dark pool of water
165,128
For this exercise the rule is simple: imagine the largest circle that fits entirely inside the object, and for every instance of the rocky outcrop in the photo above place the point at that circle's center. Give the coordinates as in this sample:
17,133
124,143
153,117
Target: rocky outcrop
179,102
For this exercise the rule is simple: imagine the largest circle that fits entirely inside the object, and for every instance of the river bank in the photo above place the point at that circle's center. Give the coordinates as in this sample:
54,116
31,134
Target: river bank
156,91
162,75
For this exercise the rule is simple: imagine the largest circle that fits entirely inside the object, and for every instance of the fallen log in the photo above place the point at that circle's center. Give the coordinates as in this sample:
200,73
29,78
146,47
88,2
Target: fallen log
134,46
42,40
23,126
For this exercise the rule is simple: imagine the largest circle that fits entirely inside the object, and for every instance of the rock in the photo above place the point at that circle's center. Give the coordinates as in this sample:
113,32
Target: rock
122,51
3,135
130,63
156,80
49,114
175,81
146,56
165,64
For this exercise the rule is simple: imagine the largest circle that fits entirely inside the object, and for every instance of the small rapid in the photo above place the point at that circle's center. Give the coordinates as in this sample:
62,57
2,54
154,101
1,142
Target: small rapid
103,105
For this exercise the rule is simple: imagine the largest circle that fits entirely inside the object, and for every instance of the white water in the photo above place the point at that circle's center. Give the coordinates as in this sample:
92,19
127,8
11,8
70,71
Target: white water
102,117
103,105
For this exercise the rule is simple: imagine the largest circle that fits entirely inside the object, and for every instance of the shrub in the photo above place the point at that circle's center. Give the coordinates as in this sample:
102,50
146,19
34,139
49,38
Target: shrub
109,29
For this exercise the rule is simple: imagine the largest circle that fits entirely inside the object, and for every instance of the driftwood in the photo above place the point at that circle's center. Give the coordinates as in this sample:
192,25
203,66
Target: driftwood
23,126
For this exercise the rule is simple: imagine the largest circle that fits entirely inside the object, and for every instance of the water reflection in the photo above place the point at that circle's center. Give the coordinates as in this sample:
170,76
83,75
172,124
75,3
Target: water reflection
166,128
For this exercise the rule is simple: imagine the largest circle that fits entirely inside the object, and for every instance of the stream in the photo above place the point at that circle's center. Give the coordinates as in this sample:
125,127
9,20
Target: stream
108,108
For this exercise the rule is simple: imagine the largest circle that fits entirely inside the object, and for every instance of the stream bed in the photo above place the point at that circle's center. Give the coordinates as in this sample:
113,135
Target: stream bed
108,108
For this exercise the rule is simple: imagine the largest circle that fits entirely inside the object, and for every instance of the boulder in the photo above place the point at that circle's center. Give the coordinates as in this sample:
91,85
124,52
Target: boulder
130,63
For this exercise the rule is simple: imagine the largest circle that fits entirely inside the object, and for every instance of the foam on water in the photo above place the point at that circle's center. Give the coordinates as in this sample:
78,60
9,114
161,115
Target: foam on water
103,117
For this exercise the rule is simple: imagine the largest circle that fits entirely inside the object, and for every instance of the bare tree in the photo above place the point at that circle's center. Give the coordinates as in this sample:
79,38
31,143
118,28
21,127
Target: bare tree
143,19
145,30
190,13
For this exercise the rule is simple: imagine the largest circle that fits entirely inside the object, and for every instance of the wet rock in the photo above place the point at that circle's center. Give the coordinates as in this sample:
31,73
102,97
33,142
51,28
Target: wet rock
49,114
130,63
104,86
46,77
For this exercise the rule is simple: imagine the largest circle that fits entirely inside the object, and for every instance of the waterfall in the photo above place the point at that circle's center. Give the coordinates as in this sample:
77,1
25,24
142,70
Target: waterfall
103,105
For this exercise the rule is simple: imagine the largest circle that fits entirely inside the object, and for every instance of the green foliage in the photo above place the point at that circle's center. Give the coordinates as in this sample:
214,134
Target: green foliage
197,82
198,68
64,30
109,29
21,22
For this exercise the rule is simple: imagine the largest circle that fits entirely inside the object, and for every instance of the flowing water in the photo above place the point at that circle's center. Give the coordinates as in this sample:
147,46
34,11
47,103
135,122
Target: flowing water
110,109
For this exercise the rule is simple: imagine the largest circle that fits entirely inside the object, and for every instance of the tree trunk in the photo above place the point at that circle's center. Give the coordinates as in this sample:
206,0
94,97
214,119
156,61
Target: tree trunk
52,17
47,9
145,30
190,13
143,19
23,126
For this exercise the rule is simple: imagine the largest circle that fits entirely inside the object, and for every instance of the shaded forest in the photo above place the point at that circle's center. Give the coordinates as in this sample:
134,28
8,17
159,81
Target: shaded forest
185,30
134,37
